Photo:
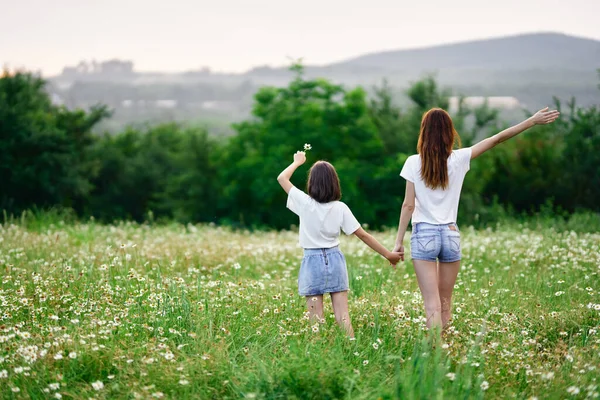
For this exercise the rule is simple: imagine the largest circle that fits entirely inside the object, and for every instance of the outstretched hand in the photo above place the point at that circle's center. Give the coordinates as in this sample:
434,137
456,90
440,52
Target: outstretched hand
300,157
545,116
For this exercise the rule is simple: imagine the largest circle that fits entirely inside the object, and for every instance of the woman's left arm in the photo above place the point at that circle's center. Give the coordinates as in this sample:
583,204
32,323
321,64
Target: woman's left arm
408,206
286,174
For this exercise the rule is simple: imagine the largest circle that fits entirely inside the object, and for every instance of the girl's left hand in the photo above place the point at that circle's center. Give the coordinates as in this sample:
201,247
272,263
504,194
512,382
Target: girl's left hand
299,157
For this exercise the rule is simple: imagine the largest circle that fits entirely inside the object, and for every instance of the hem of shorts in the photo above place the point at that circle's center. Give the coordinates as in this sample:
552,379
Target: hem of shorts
436,259
323,292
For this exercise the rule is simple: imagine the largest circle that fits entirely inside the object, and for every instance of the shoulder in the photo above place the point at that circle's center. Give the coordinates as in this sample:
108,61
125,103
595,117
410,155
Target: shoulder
340,204
463,153
412,161
343,207
298,195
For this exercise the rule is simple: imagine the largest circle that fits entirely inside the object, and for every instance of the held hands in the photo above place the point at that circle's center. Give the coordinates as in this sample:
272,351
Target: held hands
399,249
545,116
395,257
299,158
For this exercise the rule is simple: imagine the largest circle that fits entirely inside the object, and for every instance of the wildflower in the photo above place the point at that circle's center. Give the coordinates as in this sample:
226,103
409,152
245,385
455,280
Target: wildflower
485,385
98,385
58,356
205,357
315,328
73,355
184,382
3,374
574,390
307,147
54,386
57,396
15,389
366,362
169,356
375,346
451,376
559,293
548,376
158,395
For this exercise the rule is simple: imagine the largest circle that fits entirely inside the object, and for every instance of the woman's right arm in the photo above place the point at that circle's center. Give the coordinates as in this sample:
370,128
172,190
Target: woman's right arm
408,207
541,117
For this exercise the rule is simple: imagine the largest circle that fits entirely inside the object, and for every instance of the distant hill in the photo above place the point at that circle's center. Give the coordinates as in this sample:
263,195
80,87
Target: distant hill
528,51
530,68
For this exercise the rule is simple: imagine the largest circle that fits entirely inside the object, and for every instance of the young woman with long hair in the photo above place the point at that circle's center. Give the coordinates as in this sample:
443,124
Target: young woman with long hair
434,179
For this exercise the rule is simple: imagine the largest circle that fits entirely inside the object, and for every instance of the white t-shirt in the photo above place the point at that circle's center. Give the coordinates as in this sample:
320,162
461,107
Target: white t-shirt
438,206
320,223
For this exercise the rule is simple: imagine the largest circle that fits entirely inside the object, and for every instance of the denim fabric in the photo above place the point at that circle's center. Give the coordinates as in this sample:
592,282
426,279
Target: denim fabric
430,242
322,271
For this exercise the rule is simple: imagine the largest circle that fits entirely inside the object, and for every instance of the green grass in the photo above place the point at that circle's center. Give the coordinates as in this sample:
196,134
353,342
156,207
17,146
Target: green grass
209,313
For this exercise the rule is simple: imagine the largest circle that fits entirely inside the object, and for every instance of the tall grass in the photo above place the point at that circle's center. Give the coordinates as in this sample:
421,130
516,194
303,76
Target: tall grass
144,311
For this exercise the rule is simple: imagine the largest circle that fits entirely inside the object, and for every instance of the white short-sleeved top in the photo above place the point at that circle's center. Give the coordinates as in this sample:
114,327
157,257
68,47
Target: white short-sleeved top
438,206
320,223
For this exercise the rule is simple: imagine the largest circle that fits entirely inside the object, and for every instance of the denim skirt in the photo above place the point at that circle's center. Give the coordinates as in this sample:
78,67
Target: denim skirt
322,271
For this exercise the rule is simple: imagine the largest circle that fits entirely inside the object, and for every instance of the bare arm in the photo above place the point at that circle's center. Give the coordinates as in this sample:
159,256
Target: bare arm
408,206
370,241
286,174
541,117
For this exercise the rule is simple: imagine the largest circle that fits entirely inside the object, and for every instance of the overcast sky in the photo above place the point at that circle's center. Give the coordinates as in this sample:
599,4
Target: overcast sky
235,35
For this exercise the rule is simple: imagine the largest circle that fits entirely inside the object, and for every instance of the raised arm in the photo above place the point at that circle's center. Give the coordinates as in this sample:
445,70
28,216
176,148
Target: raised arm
408,206
286,174
370,241
541,117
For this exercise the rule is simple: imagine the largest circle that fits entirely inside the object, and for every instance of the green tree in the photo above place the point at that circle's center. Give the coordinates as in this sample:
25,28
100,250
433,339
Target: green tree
333,120
43,147
167,170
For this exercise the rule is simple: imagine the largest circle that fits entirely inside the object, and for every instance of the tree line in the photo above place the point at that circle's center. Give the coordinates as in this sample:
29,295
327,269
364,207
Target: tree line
49,157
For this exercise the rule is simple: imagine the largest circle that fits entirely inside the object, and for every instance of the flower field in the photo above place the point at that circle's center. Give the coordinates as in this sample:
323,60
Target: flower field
142,311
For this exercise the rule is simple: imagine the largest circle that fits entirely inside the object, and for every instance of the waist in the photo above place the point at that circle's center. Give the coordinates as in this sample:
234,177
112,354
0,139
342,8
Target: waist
425,226
333,249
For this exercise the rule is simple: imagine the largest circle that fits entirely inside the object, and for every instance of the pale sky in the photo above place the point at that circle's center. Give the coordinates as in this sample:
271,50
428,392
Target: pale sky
235,35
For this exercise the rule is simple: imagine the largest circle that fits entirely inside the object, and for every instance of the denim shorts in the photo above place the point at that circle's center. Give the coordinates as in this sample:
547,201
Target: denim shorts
430,242
322,271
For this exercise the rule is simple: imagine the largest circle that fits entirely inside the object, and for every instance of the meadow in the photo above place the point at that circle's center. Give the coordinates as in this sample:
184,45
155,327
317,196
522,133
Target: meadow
130,311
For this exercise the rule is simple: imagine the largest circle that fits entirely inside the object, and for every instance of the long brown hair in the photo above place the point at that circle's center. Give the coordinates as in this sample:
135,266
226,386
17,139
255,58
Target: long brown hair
323,183
436,139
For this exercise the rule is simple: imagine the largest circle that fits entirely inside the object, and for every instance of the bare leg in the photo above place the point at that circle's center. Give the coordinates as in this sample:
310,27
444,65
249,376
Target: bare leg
426,272
447,273
339,301
314,304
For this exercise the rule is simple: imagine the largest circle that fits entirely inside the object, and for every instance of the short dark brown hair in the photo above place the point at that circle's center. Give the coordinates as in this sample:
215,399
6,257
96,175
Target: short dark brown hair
323,183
